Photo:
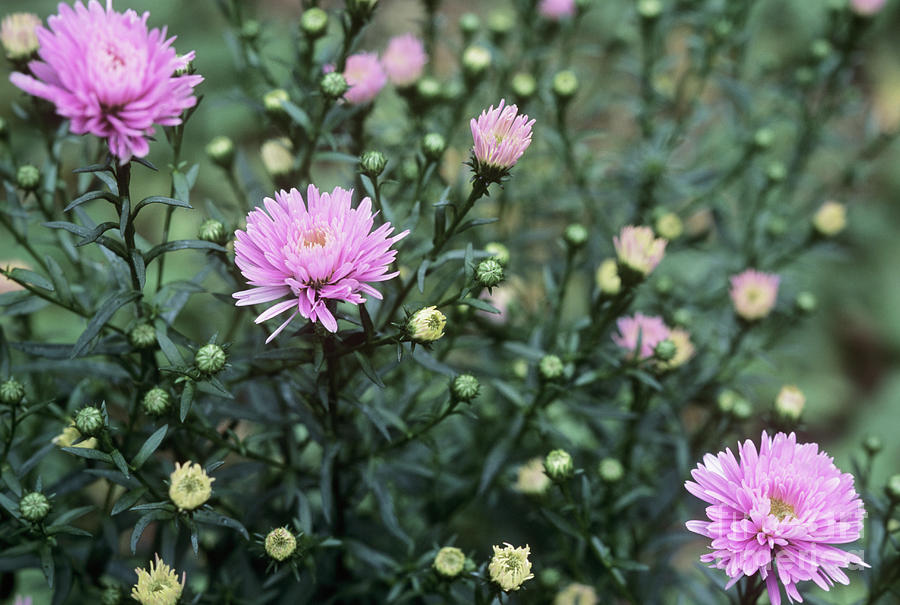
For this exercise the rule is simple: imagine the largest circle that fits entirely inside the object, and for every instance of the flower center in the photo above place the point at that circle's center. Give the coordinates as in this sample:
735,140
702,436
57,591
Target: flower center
190,484
317,237
781,509
112,58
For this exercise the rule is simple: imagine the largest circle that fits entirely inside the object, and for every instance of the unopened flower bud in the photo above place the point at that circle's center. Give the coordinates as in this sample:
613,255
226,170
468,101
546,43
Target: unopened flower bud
498,252
664,285
820,49
111,593
575,235
520,368
892,488
18,36
649,9
777,226
453,90
213,231
34,506
89,421
873,444
558,464
668,226
576,594
565,84
428,89
142,336
410,169
333,85
611,470
221,151
806,302
250,30
426,325
804,76
523,85
501,22
790,402
469,24
682,317
433,146
156,402
210,358
551,367
763,138
280,543
475,60
12,392
550,577
372,163
273,102
449,561
830,219
726,400
665,350
465,387
489,273
776,172
608,281
277,156
28,177
722,29
742,409
314,22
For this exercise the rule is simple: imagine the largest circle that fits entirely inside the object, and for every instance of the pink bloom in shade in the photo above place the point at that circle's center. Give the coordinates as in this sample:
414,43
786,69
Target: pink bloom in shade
365,76
649,330
777,512
556,9
501,136
404,59
639,249
110,75
318,252
22,600
867,7
753,293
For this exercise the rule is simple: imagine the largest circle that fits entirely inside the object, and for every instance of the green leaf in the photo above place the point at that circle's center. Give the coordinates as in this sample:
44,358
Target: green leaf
149,447
101,317
143,522
71,515
187,398
368,369
47,563
298,116
119,460
128,500
476,222
480,304
32,278
420,274
88,453
210,517
11,507
60,284
94,234
124,216
90,196
93,168
182,244
158,199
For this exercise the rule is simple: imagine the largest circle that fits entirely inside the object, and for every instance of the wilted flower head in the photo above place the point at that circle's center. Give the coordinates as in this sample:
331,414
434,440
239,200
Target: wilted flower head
404,59
501,136
556,9
531,478
790,402
639,249
110,75
753,293
830,219
777,512
510,567
650,330
18,35
576,594
365,77
159,586
189,486
867,7
684,349
316,252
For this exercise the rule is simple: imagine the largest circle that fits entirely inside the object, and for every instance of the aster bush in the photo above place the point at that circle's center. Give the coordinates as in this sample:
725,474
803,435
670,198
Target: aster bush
477,307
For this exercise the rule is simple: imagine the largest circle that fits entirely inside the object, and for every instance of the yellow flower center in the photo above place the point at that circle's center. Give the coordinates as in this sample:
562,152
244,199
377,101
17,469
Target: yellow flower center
781,509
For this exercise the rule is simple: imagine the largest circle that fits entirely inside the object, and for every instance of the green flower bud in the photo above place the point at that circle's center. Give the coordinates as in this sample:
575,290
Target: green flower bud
649,9
523,85
550,577
273,102
489,273
501,22
433,146
664,285
465,387
806,302
453,90
213,231
221,151
682,317
428,89
12,392
789,403
426,325
611,470
763,138
892,488
742,409
410,169
776,172
804,76
111,593
469,24
250,30
156,402
820,49
142,336
520,368
314,22
665,350
558,464
565,84
449,562
476,60
498,252
28,177
333,85
726,400
34,506
89,421
777,226
372,163
280,543
722,29
575,235
872,444
551,367
210,359
668,225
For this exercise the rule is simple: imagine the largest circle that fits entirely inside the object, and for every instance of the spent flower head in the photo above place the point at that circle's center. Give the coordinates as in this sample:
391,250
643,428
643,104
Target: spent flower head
159,586
754,293
500,138
510,567
189,486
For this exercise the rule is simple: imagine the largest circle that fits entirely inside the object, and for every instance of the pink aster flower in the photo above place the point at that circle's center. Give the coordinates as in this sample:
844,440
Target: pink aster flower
404,59
639,249
110,75
867,7
556,9
365,76
753,293
317,253
501,136
777,512
650,330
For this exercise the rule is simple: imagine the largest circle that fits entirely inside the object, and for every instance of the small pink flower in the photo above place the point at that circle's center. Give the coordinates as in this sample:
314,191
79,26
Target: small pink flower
557,9
649,330
501,136
867,7
365,77
404,59
316,253
110,75
639,249
753,293
777,512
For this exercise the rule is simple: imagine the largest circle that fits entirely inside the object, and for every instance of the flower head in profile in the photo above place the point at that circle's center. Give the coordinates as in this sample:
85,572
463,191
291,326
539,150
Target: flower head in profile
426,325
501,136
648,330
317,253
365,77
110,75
159,586
754,293
531,478
639,250
70,437
608,281
510,567
556,9
18,35
404,59
189,486
777,512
